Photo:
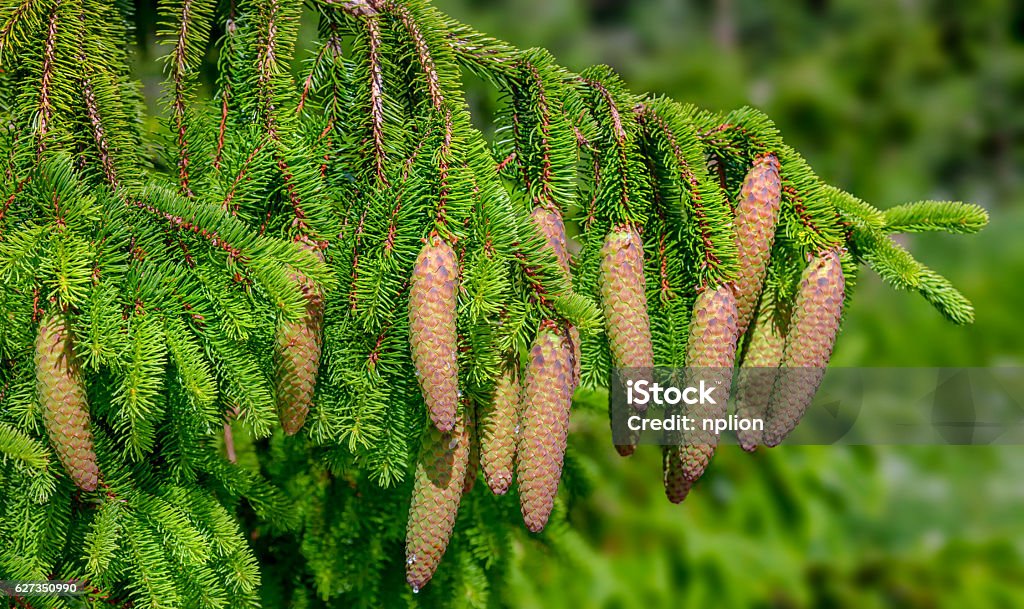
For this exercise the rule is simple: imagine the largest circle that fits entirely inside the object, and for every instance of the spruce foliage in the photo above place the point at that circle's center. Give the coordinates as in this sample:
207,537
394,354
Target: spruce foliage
175,265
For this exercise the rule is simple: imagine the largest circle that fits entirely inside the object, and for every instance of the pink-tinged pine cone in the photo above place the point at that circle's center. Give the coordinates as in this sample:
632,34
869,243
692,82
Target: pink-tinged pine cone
547,399
757,215
499,423
553,228
437,491
757,374
433,303
710,354
627,449
812,334
677,486
624,300
64,404
297,357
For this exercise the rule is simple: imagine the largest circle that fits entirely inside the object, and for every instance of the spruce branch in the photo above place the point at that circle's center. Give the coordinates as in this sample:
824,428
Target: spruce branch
899,268
45,107
928,216
376,97
21,18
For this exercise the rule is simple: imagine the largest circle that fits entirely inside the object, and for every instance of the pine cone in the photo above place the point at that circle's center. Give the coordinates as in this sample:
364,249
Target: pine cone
499,423
710,354
812,334
758,373
547,398
624,300
433,301
297,357
622,432
63,401
677,487
757,215
437,491
553,228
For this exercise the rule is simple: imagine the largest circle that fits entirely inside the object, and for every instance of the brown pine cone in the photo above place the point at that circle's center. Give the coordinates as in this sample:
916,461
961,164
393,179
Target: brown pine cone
433,302
547,398
297,357
499,423
812,334
757,215
63,401
437,491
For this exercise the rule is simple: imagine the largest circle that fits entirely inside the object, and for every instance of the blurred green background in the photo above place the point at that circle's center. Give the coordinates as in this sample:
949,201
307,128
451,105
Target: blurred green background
896,101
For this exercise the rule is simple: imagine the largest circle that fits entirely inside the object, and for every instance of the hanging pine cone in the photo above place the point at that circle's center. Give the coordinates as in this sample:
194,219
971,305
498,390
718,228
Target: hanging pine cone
710,353
757,214
437,491
297,357
812,334
677,487
63,401
624,300
757,374
553,228
627,447
433,301
499,422
547,398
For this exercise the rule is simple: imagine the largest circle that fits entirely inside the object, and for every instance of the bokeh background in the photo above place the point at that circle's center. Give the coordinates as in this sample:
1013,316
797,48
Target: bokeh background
896,101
